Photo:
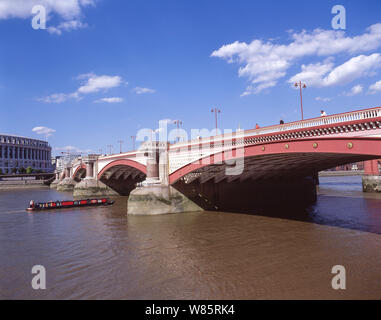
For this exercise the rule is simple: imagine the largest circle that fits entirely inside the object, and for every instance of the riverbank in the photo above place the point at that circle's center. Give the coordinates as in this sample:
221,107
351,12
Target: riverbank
341,173
22,184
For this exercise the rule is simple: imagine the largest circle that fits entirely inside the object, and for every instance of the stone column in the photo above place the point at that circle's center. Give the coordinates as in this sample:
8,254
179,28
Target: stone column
371,180
152,163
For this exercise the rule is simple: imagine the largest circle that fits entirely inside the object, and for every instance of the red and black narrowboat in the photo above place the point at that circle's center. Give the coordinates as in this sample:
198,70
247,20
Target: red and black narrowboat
68,204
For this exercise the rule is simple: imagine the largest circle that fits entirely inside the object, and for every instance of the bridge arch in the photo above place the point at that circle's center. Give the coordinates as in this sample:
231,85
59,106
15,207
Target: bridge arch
122,175
79,172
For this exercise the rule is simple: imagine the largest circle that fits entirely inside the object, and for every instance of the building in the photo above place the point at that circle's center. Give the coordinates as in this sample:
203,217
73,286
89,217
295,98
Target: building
18,152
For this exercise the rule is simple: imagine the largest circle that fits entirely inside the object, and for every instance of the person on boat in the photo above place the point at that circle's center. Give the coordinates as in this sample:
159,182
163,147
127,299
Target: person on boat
256,126
281,121
323,113
31,204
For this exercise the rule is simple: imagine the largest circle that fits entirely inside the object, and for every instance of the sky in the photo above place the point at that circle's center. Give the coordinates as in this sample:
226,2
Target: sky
101,70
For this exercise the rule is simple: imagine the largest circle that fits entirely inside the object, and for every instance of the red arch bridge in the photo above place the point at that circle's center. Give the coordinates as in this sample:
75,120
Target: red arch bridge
230,170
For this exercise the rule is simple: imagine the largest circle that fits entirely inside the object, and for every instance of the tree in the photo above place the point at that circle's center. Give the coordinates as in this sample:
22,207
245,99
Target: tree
29,170
14,170
22,170
1,171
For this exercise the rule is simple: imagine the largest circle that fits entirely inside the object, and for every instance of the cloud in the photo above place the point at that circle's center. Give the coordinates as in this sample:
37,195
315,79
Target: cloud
110,100
375,87
70,11
58,97
67,26
357,89
140,90
324,75
323,99
44,131
95,83
264,63
91,83
72,149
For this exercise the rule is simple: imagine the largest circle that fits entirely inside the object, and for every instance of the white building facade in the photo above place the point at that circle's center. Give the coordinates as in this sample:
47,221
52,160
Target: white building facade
21,152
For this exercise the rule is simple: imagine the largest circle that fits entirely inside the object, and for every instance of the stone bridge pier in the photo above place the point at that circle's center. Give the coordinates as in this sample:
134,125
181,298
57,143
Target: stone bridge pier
154,195
90,186
54,184
371,180
68,183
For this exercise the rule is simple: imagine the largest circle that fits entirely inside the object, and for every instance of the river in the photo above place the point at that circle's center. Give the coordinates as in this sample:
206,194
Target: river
101,253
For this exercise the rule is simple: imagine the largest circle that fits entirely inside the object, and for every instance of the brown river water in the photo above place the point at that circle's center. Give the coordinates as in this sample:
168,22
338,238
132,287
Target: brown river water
101,253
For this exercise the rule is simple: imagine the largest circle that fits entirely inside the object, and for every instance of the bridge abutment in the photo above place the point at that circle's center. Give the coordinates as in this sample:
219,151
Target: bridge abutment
371,180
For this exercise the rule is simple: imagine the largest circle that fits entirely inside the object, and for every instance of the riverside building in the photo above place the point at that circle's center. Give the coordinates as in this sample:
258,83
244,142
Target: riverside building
18,152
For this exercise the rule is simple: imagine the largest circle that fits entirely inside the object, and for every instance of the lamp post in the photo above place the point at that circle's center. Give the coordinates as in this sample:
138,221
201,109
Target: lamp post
109,146
301,86
178,124
133,142
215,110
120,145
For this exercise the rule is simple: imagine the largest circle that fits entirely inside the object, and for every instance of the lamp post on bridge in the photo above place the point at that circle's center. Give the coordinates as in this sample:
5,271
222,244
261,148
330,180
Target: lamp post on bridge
133,142
120,145
301,86
178,124
215,110
109,146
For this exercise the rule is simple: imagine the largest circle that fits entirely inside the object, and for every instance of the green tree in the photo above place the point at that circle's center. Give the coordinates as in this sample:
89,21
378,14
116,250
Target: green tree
14,170
22,170
1,171
29,170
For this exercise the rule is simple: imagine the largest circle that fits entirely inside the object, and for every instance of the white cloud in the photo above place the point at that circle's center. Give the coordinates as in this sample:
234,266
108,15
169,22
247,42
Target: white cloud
70,11
312,74
140,90
47,132
67,26
375,87
92,83
323,99
357,89
95,83
59,97
72,149
324,75
111,100
264,63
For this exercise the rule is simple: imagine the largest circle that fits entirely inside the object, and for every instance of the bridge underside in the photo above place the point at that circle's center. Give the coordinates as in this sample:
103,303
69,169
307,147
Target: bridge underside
266,181
274,166
80,174
122,179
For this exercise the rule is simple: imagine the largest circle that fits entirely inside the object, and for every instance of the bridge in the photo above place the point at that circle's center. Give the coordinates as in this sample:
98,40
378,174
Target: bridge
279,157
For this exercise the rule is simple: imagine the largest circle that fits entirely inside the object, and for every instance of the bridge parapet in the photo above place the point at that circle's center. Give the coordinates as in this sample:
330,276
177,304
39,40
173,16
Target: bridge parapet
349,124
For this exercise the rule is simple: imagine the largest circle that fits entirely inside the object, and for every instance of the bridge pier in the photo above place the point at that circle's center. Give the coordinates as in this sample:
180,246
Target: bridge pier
371,180
67,184
90,186
154,195
54,184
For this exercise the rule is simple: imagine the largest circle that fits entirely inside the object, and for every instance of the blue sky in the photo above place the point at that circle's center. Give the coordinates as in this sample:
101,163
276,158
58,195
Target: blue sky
103,69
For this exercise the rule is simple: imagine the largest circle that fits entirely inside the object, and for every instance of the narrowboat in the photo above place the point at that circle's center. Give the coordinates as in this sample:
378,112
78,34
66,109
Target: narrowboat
68,204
